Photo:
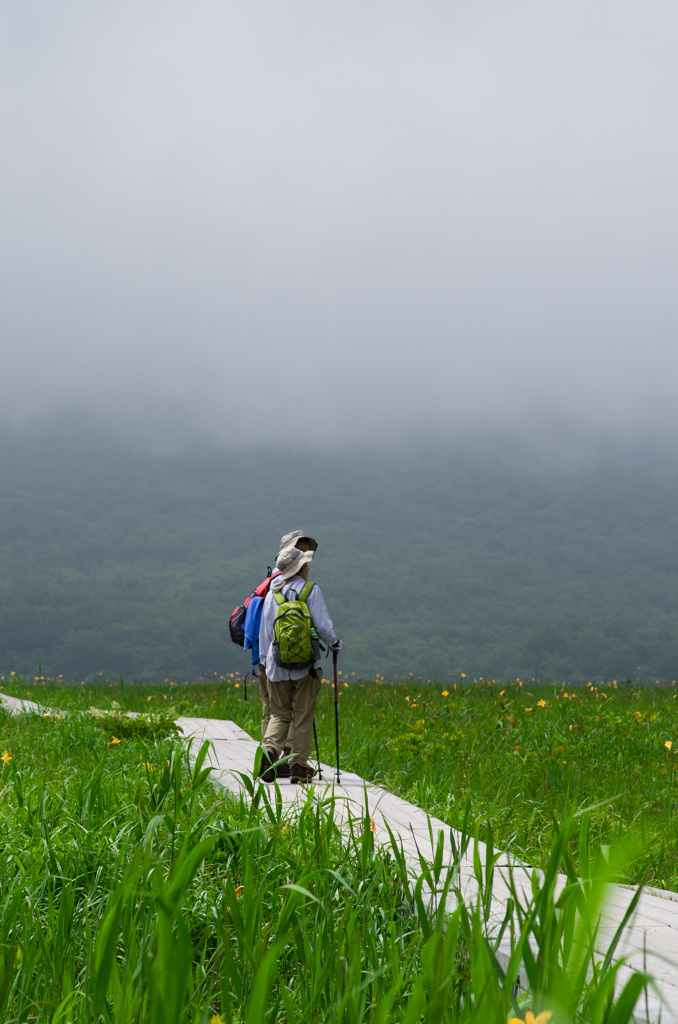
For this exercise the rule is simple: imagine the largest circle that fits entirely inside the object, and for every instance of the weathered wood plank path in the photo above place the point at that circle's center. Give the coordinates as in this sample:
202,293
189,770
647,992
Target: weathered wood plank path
650,942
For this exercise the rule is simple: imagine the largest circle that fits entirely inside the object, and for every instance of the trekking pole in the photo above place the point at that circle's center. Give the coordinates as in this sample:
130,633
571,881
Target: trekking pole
335,655
317,752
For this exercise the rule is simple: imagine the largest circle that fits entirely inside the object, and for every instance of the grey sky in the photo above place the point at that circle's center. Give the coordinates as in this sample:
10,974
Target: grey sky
410,215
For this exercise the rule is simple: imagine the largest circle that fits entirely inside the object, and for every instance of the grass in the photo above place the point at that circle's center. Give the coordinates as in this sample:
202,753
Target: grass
132,891
527,757
523,758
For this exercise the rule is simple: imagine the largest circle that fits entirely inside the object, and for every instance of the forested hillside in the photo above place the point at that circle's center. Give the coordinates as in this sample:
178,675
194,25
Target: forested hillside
479,558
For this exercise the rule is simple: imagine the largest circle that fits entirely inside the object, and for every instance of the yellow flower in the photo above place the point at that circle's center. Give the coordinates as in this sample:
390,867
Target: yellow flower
237,686
6,756
238,890
114,741
446,693
668,744
463,675
542,1018
216,1019
147,765
47,714
541,703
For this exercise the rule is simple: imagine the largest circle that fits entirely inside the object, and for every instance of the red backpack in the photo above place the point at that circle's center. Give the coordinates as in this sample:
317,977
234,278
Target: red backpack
236,623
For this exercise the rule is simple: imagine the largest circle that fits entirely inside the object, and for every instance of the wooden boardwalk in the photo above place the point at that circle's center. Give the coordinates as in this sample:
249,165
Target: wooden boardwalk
649,943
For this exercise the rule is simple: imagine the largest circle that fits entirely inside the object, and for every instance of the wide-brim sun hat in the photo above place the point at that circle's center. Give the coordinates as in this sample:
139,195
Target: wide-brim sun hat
290,540
289,562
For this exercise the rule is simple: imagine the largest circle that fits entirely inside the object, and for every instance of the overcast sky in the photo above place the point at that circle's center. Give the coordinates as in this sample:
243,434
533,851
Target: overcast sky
340,219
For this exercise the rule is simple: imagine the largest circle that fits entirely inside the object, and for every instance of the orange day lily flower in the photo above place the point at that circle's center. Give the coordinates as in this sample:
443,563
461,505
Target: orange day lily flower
542,1018
6,756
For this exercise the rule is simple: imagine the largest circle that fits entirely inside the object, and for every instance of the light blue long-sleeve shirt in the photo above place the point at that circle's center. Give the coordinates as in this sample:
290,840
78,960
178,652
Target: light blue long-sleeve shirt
319,617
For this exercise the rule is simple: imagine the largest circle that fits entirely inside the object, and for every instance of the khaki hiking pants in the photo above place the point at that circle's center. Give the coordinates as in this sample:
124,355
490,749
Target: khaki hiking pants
264,693
265,699
292,707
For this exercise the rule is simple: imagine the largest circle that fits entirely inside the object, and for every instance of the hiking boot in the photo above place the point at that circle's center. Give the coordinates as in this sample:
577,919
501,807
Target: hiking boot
266,769
283,770
301,774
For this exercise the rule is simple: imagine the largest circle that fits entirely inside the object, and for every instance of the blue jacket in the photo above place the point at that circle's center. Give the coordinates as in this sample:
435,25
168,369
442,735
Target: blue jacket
252,625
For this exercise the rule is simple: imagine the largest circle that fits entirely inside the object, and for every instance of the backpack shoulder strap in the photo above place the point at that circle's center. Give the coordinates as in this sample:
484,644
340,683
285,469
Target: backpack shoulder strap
278,595
262,589
305,591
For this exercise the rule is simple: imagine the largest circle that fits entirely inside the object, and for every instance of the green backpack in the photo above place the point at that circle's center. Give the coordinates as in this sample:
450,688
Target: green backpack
295,642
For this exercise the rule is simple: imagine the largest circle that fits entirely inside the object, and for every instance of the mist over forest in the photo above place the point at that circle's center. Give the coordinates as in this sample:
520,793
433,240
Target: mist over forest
270,266
490,555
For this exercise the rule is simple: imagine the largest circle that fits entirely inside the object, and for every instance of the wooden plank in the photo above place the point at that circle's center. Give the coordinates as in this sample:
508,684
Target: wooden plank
15,706
212,729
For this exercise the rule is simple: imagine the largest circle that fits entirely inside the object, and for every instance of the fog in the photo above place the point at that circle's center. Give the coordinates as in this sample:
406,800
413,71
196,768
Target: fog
336,222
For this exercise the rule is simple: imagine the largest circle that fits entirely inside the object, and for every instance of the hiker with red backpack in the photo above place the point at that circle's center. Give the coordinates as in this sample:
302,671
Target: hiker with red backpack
294,620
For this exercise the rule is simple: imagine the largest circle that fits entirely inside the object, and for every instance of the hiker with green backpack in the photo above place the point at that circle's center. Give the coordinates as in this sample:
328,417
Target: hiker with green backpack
294,620
245,621
300,539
